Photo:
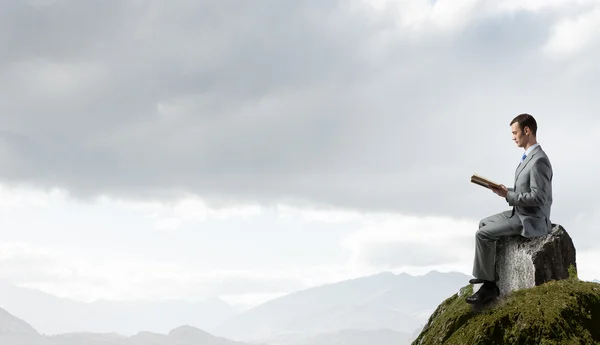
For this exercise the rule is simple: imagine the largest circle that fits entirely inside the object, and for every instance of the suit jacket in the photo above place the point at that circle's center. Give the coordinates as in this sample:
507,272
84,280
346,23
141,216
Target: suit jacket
531,196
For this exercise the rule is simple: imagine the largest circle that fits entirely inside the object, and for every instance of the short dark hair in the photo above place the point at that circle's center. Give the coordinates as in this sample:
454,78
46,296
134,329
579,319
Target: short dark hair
525,120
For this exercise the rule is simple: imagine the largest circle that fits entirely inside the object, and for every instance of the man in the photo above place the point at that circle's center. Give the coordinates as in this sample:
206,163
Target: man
531,199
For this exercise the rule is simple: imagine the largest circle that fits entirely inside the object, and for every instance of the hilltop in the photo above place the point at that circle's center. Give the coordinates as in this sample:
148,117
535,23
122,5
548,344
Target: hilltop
557,312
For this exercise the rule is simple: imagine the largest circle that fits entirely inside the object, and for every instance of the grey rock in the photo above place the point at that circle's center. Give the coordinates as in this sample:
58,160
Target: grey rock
527,262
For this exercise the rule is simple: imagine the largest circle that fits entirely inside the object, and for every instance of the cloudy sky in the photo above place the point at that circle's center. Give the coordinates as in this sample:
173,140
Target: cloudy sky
247,149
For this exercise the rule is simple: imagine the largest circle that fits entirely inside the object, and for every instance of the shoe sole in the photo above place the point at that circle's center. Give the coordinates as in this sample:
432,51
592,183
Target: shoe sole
491,298
482,302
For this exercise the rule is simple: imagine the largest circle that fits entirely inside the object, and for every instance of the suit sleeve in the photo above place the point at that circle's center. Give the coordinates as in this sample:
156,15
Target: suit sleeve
539,184
510,189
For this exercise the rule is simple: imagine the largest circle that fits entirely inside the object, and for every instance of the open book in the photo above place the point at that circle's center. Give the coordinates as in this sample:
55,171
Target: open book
482,181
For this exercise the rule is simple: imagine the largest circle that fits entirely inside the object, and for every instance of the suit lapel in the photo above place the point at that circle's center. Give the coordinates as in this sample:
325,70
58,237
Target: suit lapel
524,163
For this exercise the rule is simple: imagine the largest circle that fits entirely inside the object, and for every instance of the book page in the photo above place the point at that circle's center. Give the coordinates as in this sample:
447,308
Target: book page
484,182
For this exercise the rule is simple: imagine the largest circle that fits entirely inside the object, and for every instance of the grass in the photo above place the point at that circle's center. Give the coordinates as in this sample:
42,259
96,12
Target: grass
557,312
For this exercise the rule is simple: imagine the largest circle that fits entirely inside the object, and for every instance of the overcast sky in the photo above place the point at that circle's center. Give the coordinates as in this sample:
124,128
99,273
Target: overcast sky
246,149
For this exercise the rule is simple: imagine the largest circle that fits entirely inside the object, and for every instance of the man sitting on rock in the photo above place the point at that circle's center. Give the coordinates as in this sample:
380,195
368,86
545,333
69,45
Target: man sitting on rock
531,199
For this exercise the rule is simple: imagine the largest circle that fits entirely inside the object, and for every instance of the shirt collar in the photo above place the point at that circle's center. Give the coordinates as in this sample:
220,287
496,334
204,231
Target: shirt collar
528,151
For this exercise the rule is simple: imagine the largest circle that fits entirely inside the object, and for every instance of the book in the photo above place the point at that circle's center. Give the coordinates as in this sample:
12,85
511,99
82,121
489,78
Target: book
482,181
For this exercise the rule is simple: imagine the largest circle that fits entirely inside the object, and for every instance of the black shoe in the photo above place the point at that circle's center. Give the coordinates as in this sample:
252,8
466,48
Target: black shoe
484,294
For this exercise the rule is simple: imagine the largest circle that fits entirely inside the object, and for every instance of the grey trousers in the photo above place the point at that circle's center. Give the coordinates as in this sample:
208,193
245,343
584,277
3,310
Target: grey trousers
490,229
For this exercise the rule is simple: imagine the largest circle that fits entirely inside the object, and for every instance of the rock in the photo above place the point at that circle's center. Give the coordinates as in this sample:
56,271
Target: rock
542,301
565,311
527,262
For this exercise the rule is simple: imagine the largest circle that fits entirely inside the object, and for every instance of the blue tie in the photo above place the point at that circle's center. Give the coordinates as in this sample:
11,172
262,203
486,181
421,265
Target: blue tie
523,158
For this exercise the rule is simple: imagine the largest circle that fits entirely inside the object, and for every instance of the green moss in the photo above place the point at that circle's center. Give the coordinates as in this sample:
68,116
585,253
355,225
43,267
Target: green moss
572,272
558,312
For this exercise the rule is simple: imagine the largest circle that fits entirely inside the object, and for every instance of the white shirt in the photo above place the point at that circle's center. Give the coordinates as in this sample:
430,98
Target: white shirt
528,151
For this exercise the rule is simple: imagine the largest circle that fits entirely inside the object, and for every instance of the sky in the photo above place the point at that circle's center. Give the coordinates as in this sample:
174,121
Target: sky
249,149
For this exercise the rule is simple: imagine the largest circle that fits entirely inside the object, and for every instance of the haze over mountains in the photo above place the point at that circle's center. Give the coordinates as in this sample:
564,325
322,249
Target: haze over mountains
381,309
384,301
15,331
52,315
385,306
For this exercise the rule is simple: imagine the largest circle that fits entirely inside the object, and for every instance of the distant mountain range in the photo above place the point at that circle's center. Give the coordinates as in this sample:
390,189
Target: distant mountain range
52,315
348,337
389,307
14,331
383,306
400,303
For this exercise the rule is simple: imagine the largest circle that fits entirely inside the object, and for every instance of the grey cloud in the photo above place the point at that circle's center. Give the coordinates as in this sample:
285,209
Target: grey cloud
302,101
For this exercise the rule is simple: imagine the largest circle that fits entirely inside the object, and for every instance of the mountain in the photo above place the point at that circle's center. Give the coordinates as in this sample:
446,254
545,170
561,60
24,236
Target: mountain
557,312
356,337
400,303
183,335
14,331
383,306
88,339
10,324
191,335
53,315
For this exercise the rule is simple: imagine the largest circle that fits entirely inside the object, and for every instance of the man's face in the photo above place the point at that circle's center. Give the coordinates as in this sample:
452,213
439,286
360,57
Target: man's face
518,135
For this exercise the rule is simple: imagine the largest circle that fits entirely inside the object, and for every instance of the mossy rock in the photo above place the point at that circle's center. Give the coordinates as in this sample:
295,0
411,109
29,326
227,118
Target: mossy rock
557,312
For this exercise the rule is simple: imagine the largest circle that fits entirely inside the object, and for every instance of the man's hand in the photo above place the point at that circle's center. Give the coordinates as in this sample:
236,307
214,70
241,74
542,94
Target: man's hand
502,191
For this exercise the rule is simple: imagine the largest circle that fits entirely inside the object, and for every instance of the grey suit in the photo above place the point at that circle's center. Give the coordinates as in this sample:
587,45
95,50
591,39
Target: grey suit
531,198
